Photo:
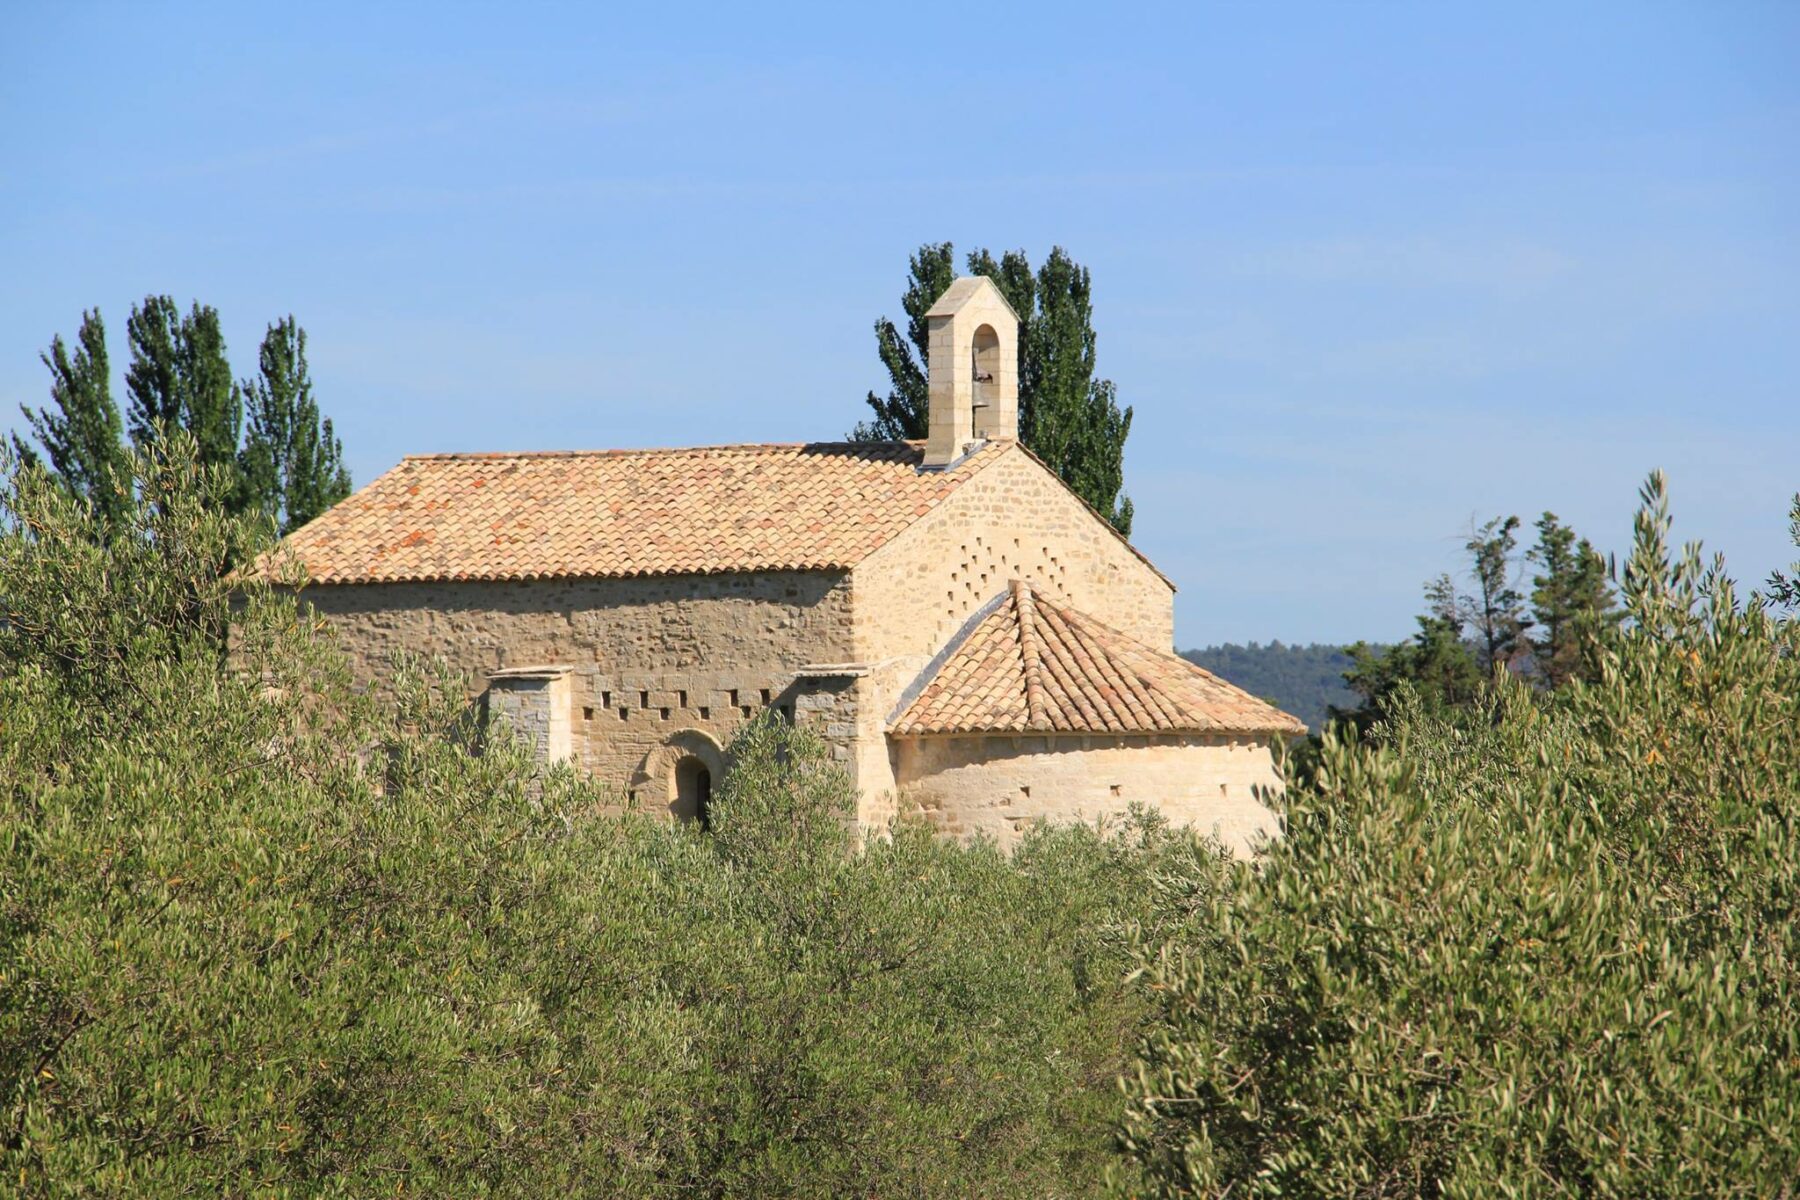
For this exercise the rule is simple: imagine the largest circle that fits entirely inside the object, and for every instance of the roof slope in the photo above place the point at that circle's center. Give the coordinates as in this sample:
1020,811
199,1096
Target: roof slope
819,505
1029,666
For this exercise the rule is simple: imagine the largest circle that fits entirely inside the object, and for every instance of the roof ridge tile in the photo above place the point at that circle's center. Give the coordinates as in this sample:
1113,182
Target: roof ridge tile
1029,651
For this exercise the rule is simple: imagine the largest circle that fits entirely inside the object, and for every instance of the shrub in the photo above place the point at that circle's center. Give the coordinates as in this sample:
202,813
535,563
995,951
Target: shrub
1549,948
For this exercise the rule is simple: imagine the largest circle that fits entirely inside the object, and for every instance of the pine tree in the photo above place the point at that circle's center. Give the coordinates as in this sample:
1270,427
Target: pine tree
1437,663
82,437
1496,608
1066,417
1571,600
1784,586
292,463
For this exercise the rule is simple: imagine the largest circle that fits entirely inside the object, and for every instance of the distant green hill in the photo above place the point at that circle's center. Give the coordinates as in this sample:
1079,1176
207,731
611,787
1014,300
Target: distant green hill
1302,680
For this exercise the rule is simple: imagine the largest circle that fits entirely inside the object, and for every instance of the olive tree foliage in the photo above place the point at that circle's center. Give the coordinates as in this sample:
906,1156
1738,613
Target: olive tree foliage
263,931
254,933
1548,946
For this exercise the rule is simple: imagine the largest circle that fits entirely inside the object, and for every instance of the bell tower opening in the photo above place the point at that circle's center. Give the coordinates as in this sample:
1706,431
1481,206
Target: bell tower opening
984,369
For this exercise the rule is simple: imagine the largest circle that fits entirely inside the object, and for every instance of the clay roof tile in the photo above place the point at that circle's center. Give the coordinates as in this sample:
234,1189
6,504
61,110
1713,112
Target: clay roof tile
566,514
1033,666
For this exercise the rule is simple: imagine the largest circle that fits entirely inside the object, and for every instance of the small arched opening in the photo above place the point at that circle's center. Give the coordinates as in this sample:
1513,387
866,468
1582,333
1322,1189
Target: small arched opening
693,791
985,366
680,774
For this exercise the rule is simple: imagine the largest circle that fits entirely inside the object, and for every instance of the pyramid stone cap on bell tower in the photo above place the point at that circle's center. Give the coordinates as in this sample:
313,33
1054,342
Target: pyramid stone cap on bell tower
961,291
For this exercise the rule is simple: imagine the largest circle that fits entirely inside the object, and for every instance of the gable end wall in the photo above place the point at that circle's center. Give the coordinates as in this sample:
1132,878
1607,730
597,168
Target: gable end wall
1014,520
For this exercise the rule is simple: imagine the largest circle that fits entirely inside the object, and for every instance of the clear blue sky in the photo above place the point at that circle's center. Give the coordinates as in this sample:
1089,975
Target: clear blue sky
1364,271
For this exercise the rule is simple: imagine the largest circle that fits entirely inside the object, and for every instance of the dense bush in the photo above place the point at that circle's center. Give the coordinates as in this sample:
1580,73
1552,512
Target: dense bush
262,933
1551,947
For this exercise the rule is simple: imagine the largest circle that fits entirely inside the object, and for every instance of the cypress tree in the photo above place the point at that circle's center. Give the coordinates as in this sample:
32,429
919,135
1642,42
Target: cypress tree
83,436
1066,417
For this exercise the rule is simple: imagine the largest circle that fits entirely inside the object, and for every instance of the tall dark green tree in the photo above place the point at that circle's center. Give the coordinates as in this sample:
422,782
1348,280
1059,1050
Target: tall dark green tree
904,413
285,463
1571,599
1067,417
1437,663
180,377
82,435
292,463
1496,608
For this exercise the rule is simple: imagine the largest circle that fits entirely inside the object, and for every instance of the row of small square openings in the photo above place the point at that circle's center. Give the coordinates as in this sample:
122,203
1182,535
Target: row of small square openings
1113,789
665,712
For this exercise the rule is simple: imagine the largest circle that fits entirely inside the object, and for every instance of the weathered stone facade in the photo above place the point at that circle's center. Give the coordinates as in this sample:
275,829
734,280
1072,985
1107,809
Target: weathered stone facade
1014,521
646,660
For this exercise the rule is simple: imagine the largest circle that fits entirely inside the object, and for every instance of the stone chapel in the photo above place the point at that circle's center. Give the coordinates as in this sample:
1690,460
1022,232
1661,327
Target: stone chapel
973,641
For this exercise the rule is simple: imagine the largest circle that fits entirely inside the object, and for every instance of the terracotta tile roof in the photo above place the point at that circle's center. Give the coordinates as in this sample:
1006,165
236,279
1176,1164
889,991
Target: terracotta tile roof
1029,666
627,512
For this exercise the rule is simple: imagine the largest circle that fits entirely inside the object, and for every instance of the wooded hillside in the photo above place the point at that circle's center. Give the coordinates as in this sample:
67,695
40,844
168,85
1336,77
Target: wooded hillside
1303,680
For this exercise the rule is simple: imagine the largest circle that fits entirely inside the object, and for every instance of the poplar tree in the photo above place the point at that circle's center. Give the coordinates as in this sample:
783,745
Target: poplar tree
904,413
292,463
1067,417
285,463
179,377
82,435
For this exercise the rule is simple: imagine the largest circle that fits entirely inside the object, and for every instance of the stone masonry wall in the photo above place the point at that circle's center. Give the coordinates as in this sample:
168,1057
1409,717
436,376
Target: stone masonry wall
998,785
668,666
649,659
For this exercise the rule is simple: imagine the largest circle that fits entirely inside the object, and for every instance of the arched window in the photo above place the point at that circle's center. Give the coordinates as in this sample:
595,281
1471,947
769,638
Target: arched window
693,791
